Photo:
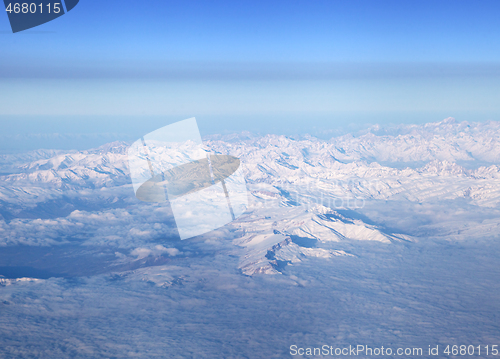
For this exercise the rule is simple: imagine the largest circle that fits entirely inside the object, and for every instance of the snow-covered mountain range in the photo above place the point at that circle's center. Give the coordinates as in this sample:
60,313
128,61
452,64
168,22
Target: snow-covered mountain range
411,183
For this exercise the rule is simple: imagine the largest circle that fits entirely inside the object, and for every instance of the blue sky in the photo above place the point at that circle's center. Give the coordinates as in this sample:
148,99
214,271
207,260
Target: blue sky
264,66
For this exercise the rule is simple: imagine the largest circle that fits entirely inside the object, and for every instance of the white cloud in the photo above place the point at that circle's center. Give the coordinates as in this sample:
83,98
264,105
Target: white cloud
155,251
